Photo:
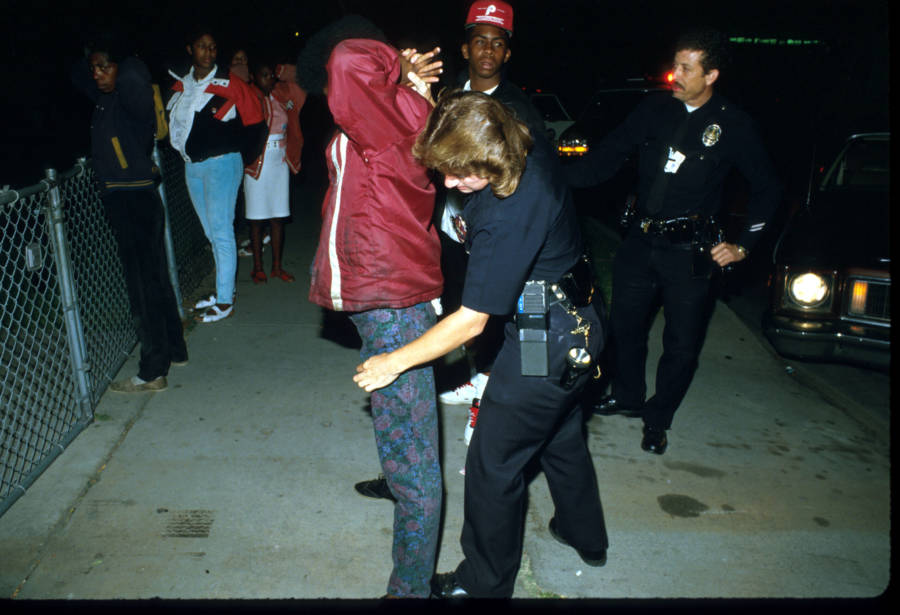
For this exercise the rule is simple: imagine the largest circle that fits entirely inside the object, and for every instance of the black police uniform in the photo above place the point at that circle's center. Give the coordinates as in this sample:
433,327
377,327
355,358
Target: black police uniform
656,259
530,235
453,254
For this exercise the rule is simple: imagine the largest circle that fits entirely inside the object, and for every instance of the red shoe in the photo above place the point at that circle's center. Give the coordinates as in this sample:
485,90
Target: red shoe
281,273
258,276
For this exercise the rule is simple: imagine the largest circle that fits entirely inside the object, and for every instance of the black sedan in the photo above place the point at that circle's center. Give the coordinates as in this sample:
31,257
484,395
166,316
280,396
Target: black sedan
831,285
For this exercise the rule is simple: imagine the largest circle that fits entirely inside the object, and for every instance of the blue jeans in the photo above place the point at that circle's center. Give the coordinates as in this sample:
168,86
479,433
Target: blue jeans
213,186
404,414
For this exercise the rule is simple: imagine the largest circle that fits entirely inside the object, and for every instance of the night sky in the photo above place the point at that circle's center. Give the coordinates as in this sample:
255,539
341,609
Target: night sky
570,47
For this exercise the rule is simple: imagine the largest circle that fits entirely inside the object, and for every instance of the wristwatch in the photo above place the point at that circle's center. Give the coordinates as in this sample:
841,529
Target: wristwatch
744,252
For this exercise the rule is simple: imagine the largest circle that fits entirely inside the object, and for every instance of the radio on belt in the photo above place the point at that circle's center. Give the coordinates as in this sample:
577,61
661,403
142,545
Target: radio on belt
531,321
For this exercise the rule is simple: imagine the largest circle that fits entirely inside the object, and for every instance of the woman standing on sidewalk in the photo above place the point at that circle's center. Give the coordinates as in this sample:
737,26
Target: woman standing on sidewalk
379,258
266,181
216,124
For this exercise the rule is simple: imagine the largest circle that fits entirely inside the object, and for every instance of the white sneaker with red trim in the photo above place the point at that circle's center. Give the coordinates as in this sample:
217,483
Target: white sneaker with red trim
466,392
471,420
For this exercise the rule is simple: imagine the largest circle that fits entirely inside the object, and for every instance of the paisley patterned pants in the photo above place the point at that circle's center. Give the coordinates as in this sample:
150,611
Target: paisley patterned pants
406,434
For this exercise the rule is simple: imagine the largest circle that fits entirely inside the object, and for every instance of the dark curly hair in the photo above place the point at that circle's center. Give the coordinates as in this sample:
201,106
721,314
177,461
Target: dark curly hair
311,74
713,44
196,31
115,46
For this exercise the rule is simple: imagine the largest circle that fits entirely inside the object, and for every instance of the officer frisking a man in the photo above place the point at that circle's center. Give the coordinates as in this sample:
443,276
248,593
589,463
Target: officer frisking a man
687,143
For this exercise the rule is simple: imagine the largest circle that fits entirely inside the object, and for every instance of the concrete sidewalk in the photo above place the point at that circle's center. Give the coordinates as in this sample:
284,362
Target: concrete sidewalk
237,482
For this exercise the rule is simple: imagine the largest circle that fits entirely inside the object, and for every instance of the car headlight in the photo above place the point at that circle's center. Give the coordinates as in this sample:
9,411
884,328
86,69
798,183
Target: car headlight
809,290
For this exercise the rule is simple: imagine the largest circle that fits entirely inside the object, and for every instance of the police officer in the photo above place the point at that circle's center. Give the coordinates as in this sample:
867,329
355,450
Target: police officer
524,250
686,144
488,31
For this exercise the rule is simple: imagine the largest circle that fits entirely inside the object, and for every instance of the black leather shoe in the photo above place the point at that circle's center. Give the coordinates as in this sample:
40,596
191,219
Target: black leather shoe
608,406
445,585
375,488
591,558
654,440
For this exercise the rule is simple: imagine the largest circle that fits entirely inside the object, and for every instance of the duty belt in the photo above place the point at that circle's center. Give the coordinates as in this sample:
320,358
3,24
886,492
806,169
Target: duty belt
576,285
684,229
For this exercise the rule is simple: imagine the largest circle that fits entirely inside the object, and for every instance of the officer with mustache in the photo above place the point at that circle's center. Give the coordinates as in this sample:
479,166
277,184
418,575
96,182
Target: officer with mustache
686,143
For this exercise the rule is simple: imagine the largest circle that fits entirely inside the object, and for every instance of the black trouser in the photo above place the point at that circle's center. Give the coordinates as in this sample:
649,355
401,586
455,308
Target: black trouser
137,220
522,417
648,270
453,266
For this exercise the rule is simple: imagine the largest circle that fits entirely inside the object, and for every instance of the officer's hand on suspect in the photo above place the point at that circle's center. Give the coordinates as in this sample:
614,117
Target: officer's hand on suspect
726,253
376,372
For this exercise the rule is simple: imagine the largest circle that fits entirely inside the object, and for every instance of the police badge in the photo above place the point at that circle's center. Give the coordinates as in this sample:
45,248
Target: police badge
459,225
711,135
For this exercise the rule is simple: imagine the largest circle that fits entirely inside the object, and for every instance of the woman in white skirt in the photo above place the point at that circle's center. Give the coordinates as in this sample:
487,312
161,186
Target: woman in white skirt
266,180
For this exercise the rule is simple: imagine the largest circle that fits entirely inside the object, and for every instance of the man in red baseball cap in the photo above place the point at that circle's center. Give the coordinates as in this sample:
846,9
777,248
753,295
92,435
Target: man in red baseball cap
488,29
486,12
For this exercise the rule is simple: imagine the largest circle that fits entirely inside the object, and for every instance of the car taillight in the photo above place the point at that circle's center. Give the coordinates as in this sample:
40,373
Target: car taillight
572,146
572,150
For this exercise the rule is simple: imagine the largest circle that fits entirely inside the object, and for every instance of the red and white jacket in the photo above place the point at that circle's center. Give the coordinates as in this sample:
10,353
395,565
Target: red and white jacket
224,117
292,97
378,247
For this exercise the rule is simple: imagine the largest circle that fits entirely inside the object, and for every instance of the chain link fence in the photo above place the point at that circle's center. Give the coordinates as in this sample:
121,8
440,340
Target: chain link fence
65,322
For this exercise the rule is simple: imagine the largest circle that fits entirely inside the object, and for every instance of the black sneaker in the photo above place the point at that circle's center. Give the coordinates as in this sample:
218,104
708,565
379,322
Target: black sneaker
376,488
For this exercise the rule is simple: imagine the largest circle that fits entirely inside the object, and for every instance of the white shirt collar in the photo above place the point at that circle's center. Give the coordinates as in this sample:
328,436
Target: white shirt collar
468,88
209,77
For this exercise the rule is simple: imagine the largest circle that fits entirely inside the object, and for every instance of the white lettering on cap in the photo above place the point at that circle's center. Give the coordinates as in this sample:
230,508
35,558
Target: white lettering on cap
490,9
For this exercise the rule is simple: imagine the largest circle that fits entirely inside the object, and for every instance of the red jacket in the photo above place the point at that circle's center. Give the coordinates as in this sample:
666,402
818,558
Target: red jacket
292,97
377,247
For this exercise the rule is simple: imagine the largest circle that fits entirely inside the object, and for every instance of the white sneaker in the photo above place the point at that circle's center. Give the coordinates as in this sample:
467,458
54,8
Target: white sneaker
471,420
466,392
205,302
208,302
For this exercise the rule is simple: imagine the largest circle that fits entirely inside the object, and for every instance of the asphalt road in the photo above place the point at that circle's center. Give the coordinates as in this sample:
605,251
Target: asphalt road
868,388
747,295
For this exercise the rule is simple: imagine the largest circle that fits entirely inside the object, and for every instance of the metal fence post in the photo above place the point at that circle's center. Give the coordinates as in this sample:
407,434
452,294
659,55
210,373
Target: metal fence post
68,297
167,233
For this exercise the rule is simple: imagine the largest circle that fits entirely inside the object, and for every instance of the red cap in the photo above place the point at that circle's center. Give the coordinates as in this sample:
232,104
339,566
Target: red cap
491,13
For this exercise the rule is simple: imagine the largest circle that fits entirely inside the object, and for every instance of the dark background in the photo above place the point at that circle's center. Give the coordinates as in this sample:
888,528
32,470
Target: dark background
569,47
